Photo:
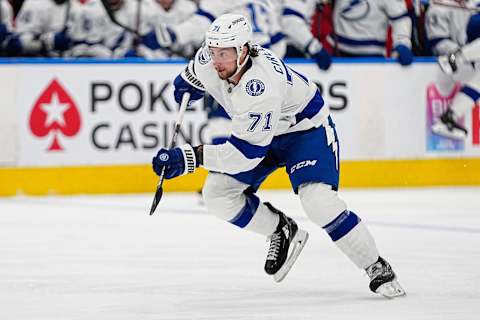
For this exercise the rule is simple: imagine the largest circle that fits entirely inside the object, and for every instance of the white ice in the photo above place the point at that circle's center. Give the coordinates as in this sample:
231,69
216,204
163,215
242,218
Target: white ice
104,257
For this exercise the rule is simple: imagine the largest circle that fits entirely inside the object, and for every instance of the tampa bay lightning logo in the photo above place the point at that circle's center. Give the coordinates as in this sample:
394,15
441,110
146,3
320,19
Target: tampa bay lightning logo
255,87
355,10
164,157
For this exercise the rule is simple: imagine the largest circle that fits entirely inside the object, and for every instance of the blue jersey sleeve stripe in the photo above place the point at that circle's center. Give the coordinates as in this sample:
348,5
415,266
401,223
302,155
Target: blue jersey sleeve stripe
205,14
354,42
312,108
291,12
472,93
401,16
250,151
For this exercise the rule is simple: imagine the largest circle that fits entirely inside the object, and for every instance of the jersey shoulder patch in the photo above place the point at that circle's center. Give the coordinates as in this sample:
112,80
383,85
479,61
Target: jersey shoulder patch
255,87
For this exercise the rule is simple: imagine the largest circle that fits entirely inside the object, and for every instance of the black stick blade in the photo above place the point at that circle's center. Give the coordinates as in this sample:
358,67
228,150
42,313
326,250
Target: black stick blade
156,200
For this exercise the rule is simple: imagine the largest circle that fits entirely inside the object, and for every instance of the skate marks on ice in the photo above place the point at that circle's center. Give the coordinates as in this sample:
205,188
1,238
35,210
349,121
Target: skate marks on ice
103,257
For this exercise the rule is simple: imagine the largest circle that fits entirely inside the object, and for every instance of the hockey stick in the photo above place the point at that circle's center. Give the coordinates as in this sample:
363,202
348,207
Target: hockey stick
111,15
178,123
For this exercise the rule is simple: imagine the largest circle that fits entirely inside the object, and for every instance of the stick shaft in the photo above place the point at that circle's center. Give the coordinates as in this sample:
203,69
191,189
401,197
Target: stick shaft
178,124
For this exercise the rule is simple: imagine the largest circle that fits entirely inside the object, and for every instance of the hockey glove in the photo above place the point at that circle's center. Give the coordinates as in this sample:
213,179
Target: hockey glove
161,37
13,46
56,41
405,55
177,161
187,82
316,51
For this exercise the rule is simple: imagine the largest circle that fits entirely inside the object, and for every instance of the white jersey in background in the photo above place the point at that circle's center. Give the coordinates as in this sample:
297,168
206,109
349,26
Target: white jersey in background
296,21
179,12
87,27
37,19
268,89
446,28
260,13
361,25
6,14
117,38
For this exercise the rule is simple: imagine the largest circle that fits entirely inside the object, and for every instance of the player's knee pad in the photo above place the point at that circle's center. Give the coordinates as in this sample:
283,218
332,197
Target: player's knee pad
473,28
223,195
320,202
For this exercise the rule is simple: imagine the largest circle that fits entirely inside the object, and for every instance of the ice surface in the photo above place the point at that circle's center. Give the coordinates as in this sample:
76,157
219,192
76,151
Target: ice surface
104,257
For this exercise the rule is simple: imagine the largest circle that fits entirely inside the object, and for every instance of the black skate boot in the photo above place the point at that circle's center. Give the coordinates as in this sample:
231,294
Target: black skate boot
383,280
286,238
449,127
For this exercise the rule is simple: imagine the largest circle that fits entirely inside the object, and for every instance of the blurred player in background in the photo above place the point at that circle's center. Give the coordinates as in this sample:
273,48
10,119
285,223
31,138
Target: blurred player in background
40,28
58,27
462,65
360,28
279,119
296,25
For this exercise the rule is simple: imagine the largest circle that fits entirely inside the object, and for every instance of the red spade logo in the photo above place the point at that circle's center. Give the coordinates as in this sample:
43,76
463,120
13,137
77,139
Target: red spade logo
55,112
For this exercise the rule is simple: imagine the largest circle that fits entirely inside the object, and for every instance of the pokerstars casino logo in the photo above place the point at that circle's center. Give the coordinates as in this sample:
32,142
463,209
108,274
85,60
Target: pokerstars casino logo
55,113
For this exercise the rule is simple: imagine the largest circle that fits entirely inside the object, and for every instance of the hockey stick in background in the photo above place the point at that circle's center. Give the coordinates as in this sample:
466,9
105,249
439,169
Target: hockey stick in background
456,4
178,123
111,15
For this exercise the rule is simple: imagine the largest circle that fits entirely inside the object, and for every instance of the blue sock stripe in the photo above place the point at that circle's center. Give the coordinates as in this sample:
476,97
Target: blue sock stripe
342,225
248,211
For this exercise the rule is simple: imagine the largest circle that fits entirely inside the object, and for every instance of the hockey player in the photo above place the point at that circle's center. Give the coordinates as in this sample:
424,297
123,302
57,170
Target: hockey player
260,13
41,28
279,119
361,28
296,21
445,27
467,57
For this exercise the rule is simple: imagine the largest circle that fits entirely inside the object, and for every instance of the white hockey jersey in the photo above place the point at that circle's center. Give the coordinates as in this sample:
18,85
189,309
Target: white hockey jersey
36,18
87,27
446,28
260,13
6,14
118,39
179,12
296,21
271,99
361,25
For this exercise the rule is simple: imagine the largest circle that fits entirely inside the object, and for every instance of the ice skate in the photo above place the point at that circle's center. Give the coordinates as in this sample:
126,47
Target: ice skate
448,127
286,244
383,280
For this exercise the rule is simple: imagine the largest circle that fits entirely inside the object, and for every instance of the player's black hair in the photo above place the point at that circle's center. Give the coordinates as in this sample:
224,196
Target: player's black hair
252,50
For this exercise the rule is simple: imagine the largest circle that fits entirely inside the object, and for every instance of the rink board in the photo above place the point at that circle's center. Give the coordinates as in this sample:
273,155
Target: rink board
92,126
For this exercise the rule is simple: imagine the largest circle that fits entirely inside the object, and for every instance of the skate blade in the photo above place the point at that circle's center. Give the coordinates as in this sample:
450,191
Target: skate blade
298,242
443,131
391,290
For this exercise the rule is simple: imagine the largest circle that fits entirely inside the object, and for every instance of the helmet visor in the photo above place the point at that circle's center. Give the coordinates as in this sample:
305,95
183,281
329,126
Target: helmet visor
223,55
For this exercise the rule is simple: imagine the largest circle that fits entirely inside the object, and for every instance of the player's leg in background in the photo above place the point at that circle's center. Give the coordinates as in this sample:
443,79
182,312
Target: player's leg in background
469,95
314,173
